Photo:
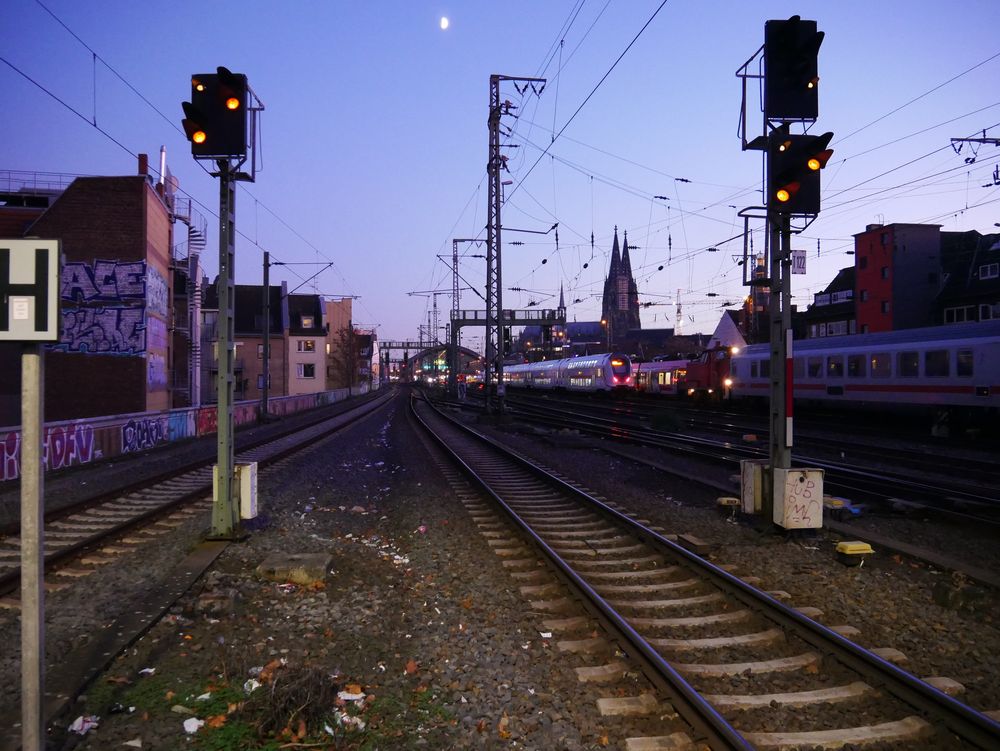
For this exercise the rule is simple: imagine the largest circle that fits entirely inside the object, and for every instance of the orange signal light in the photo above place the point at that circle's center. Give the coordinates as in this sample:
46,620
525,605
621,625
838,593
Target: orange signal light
232,103
199,136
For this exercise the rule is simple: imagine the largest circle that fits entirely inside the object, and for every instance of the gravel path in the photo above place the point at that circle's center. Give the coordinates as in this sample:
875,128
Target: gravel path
418,620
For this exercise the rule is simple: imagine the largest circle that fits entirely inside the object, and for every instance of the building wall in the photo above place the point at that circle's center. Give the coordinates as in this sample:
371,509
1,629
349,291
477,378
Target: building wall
112,357
306,369
898,275
338,317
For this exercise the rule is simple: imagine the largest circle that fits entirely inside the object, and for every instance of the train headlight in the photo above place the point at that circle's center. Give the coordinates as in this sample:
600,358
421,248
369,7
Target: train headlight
728,382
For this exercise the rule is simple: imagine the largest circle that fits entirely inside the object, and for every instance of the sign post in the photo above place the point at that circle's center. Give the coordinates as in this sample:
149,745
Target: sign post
29,313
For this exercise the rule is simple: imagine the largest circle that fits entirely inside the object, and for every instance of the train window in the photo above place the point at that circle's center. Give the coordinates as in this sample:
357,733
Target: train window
963,363
835,366
814,367
798,367
907,364
881,365
765,368
753,368
855,366
936,363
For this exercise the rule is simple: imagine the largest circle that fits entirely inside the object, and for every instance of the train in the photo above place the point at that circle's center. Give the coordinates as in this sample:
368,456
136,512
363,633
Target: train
588,373
942,368
947,371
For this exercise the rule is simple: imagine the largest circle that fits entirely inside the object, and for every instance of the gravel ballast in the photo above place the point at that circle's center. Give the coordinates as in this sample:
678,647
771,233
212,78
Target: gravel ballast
416,626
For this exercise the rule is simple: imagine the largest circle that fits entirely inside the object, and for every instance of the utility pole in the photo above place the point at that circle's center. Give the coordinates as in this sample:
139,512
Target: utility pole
493,367
266,382
455,332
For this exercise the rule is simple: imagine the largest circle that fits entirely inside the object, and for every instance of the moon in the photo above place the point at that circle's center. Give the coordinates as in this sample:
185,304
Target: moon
444,22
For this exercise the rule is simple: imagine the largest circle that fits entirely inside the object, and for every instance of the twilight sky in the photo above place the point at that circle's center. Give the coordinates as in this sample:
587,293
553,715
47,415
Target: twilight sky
374,137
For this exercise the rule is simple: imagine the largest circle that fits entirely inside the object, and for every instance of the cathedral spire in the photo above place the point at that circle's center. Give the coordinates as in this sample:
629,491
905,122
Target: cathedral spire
626,267
562,300
615,256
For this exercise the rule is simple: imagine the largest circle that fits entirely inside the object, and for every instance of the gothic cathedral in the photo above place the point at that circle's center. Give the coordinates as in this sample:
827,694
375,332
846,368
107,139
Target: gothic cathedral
620,306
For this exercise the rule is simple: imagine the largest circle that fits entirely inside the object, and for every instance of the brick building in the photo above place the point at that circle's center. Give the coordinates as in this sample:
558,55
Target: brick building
113,356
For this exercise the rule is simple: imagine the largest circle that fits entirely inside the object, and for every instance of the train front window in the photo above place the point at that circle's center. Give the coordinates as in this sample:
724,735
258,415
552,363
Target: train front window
907,364
936,363
963,363
881,365
835,366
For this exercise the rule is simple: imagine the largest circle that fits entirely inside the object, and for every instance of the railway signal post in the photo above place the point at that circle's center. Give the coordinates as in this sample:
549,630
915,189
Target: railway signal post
29,314
219,117
792,190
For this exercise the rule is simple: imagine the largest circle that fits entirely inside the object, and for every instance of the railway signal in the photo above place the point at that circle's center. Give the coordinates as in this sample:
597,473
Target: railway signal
794,163
215,120
791,77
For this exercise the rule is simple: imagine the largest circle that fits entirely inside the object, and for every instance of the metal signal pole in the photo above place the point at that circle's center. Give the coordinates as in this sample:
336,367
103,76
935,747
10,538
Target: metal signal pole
493,367
266,377
225,520
780,440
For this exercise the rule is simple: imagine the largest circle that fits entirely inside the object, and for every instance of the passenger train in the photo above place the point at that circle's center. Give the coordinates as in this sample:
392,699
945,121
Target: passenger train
941,367
607,372
945,371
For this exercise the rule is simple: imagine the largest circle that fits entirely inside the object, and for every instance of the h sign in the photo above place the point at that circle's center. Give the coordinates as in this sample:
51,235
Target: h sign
29,291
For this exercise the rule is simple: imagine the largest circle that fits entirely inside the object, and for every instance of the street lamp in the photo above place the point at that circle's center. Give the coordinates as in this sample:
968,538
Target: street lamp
606,323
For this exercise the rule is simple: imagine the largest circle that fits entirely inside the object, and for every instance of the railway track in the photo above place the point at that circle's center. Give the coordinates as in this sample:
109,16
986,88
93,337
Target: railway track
742,669
964,491
114,521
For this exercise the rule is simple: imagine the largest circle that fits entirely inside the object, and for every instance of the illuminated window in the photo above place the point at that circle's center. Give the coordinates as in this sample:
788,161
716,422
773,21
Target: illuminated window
308,322
307,345
881,365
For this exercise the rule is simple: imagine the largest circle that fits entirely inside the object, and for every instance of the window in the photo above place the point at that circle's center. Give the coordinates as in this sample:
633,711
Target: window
989,271
864,295
307,345
814,367
963,363
753,369
308,322
260,351
907,364
960,314
855,366
936,363
835,366
765,368
864,328
989,312
881,365
306,370
836,328
885,272
885,306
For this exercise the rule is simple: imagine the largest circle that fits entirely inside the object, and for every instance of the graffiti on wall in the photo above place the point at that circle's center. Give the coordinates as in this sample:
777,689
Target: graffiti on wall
119,329
110,330
156,292
144,433
62,446
104,281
